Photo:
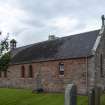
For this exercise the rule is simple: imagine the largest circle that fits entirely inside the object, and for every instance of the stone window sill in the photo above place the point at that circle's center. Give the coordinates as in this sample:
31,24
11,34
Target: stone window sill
61,76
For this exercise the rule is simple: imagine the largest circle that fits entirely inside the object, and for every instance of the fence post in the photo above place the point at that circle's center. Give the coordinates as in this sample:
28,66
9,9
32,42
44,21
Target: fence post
71,95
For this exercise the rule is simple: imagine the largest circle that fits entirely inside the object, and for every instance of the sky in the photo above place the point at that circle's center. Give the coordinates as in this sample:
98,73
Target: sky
32,21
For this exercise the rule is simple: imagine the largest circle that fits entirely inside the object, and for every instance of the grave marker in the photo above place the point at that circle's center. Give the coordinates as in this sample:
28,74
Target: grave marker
71,95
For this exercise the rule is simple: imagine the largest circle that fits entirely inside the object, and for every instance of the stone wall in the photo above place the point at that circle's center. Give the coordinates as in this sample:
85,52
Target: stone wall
100,79
75,71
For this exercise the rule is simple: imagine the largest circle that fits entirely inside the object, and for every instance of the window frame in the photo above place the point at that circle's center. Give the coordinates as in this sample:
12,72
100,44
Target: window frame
61,68
5,74
101,66
22,71
30,71
0,74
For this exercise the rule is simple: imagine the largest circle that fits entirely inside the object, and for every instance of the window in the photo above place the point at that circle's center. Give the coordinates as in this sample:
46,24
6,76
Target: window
5,73
30,71
22,71
0,74
61,68
101,66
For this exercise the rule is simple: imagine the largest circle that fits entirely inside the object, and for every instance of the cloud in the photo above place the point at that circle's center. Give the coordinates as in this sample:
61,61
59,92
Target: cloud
63,24
9,17
30,21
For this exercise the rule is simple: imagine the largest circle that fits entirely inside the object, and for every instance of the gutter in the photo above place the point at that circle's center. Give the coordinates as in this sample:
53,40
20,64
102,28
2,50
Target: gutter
38,61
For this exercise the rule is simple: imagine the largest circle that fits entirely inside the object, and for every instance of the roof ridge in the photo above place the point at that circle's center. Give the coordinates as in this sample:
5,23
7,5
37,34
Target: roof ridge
58,38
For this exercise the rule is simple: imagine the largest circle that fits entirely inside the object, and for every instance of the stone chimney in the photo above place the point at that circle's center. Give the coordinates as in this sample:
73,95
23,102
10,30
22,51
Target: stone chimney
13,44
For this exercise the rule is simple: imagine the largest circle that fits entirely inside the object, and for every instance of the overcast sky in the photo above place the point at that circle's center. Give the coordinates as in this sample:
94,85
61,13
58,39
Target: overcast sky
31,21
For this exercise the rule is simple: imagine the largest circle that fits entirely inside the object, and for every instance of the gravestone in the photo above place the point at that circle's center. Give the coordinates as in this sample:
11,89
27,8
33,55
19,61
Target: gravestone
97,95
71,95
39,82
91,97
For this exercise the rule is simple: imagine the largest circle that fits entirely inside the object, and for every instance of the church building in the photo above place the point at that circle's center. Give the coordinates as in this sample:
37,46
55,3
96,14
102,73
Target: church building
52,64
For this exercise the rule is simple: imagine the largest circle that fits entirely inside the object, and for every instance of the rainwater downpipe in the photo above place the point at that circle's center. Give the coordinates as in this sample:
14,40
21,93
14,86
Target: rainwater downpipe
86,74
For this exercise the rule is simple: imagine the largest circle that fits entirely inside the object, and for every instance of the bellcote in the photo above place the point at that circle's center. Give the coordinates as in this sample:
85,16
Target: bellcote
13,44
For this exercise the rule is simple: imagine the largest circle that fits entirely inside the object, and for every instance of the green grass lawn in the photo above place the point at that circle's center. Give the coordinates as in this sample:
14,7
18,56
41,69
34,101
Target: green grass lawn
26,97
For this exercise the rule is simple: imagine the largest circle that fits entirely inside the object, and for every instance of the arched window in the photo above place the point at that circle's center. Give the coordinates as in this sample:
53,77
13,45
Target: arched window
5,73
30,71
101,65
0,74
22,71
61,68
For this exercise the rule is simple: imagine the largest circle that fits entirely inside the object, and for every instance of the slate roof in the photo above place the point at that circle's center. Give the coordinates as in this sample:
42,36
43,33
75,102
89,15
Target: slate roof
73,46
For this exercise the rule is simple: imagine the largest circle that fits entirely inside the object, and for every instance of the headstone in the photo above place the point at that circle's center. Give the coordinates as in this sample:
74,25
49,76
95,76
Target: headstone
71,95
39,84
97,95
91,97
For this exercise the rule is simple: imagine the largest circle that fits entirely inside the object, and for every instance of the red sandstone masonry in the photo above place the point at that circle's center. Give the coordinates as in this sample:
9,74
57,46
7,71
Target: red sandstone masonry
75,72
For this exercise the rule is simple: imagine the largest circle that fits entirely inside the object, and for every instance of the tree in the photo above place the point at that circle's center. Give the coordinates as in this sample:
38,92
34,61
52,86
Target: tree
4,61
4,54
4,46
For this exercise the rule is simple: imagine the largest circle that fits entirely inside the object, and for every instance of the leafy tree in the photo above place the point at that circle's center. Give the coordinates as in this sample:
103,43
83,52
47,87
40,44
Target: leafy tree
4,46
4,54
4,61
